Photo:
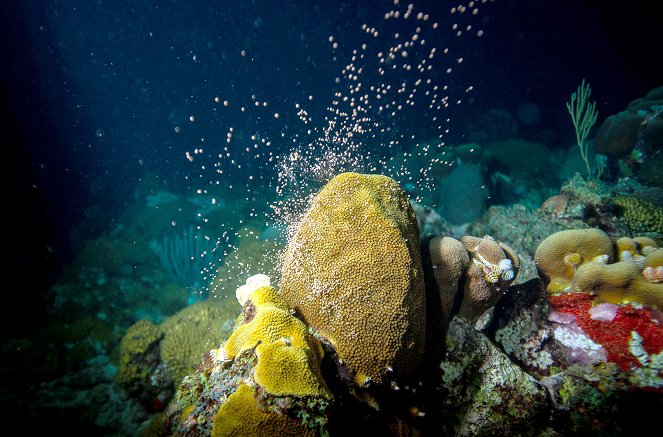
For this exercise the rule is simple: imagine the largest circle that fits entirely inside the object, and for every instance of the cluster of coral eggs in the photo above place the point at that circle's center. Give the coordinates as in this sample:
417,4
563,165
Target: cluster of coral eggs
587,260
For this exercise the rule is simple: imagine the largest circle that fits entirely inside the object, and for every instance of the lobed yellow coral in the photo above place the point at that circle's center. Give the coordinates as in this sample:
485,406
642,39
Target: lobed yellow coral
559,255
618,283
353,271
240,415
633,278
288,356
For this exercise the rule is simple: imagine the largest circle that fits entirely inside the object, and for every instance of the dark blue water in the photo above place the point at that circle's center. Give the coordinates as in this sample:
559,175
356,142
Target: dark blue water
98,94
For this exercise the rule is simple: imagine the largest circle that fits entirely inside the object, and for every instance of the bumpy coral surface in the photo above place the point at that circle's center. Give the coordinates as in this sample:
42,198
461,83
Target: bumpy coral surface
640,215
558,256
584,260
494,265
353,271
265,380
288,356
189,334
614,307
241,415
135,345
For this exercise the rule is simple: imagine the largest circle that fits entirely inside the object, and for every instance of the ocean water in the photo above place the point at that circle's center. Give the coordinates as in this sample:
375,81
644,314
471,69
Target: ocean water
160,152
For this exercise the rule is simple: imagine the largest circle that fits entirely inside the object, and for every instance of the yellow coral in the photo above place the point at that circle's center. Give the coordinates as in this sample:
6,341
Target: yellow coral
241,415
559,256
288,356
654,259
618,283
353,270
137,341
640,215
190,334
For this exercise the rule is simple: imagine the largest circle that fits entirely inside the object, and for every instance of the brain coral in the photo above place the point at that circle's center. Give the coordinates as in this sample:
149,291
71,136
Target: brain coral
640,215
583,260
559,255
353,271
494,266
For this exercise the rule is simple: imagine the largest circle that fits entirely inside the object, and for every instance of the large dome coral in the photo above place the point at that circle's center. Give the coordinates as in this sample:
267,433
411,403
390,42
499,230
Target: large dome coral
353,271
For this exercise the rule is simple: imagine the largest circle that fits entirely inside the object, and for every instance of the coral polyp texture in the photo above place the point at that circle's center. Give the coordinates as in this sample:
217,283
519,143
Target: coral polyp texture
609,308
353,271
558,256
265,380
583,260
140,341
283,347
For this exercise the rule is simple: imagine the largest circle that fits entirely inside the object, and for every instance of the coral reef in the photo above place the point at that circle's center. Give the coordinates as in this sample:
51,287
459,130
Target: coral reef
639,127
494,266
189,334
154,359
585,261
558,256
483,390
265,379
138,352
558,350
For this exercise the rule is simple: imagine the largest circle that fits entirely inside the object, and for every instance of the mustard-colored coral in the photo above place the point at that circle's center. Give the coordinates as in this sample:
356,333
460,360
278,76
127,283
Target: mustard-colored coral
353,271
618,283
640,215
288,356
632,279
240,415
559,256
652,267
137,341
190,334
